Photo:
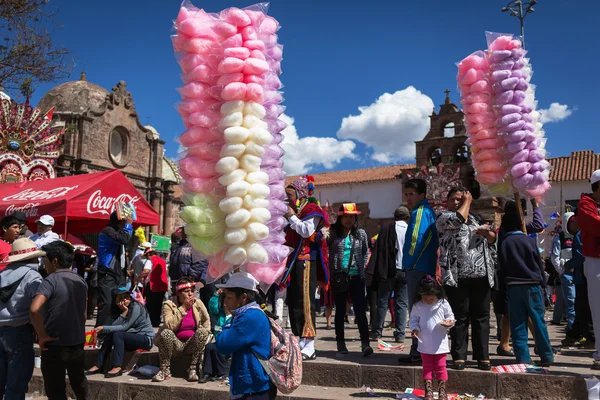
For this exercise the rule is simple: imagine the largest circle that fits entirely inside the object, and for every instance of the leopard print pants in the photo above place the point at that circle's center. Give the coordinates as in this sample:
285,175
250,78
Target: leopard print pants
169,346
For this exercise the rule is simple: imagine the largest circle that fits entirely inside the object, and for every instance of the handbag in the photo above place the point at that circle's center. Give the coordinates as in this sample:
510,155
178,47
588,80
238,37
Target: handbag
340,279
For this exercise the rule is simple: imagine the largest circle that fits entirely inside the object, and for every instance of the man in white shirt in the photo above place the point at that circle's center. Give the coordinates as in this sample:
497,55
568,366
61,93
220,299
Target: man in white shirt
44,233
387,275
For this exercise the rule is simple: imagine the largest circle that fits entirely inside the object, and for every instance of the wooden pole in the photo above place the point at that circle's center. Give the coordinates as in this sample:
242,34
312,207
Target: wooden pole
520,211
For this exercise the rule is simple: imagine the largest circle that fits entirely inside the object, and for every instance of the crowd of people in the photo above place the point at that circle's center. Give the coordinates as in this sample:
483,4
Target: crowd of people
437,271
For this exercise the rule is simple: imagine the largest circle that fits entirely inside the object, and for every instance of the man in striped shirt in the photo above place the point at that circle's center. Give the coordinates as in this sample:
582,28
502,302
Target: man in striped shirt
420,252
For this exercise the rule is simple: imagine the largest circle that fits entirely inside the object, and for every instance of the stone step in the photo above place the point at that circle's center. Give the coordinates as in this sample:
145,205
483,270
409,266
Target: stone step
328,373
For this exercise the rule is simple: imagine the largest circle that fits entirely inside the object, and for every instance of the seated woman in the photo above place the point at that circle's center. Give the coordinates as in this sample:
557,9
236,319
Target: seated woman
131,331
246,338
215,363
185,330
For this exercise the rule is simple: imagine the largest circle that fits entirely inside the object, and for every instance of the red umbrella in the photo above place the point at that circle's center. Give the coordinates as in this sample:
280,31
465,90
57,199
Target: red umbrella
80,245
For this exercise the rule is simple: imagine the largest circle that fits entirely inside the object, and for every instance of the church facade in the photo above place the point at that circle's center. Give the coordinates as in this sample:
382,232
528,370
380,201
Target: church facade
102,132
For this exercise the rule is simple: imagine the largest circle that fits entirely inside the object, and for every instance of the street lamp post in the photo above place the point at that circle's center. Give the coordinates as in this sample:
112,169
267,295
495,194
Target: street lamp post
520,9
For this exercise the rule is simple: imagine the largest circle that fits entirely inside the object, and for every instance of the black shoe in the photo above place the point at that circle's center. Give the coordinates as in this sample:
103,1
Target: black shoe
341,348
409,360
374,337
116,374
367,350
501,352
484,365
555,350
398,339
459,366
555,323
309,358
96,372
205,378
544,364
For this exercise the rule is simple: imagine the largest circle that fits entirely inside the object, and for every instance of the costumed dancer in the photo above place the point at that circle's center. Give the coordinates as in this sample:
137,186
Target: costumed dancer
306,234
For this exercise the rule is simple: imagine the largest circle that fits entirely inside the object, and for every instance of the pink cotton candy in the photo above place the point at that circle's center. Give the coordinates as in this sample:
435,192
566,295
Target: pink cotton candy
540,190
202,73
189,62
258,54
255,93
255,45
194,90
520,169
269,25
184,13
255,66
481,86
233,41
234,91
477,98
200,185
256,17
200,46
475,118
473,61
191,106
237,52
514,44
236,17
494,143
488,178
259,79
197,29
500,43
249,33
205,119
224,29
199,135
197,168
491,166
179,42
477,108
231,65
484,155
485,134
487,123
226,79
205,152
471,76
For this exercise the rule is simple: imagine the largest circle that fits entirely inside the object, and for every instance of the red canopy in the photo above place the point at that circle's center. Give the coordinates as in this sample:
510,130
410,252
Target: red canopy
82,203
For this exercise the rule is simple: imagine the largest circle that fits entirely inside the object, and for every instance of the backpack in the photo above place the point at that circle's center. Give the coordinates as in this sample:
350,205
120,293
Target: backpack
284,365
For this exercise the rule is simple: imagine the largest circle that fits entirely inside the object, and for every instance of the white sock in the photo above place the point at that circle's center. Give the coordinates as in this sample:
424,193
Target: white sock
309,347
301,343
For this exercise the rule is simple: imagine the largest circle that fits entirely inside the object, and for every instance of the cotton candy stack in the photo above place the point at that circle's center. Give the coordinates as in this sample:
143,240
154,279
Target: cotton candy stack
476,99
516,119
231,104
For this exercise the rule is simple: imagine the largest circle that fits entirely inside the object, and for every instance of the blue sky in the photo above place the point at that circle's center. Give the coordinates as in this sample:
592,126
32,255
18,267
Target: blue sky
342,55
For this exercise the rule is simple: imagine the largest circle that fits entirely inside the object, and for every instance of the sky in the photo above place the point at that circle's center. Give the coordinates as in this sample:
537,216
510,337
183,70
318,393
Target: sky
361,78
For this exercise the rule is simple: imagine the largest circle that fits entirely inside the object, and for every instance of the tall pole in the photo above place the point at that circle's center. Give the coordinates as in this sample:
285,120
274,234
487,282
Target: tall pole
520,9
521,19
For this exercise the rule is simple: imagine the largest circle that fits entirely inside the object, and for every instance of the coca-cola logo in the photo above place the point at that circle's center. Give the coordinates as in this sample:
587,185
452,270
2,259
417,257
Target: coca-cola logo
29,209
98,204
30,194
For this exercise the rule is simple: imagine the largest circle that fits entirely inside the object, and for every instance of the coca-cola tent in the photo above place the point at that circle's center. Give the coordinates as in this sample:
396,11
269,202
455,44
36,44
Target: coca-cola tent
79,204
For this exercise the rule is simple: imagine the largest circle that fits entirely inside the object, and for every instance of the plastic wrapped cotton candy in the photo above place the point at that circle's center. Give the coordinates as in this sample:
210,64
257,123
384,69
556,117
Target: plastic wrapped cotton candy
232,162
517,121
476,98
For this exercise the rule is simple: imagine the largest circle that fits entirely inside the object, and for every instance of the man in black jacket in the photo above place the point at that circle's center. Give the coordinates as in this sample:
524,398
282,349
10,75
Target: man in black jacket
385,268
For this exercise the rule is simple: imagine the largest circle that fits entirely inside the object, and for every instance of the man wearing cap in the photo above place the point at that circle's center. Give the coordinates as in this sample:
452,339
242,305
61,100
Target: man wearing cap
588,220
44,233
561,253
139,263
25,232
385,268
19,283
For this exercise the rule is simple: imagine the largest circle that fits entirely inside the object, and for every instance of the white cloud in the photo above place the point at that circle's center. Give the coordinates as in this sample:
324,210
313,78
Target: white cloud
555,113
391,125
302,153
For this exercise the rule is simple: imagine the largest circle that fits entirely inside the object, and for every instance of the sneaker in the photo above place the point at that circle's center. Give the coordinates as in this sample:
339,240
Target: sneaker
192,375
570,342
398,339
161,376
205,378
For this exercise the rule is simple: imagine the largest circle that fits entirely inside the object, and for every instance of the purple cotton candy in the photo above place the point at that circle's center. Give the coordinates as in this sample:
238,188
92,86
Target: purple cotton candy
509,83
539,166
277,190
529,137
536,156
515,126
278,205
523,181
275,224
519,96
500,55
518,53
505,98
526,109
526,117
507,64
520,157
515,136
498,76
522,84
517,74
510,118
273,151
276,126
538,179
531,146
509,109
515,147
519,64
520,169
528,127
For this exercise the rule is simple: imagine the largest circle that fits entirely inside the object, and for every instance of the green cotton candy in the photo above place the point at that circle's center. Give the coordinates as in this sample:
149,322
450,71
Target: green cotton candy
205,229
200,200
209,215
207,246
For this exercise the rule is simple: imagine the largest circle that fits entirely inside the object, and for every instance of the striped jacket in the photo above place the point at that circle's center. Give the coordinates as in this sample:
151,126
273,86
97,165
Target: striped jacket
336,251
421,244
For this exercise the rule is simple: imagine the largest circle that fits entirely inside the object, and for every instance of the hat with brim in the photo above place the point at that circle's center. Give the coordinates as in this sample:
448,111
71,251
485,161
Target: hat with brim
240,280
145,245
350,209
121,290
149,251
24,249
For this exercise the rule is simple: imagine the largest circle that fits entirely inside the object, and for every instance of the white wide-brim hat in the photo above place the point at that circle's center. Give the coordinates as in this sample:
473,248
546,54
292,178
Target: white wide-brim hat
24,249
241,280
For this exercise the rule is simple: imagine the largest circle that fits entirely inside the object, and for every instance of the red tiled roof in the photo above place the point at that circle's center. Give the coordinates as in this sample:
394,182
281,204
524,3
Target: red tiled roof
579,166
386,173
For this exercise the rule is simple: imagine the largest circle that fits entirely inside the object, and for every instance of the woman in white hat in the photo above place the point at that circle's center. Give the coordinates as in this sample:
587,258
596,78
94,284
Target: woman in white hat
19,283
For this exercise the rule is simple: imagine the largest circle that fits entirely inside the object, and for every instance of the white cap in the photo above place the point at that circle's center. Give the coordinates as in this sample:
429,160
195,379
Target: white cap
46,220
145,245
241,280
567,216
595,177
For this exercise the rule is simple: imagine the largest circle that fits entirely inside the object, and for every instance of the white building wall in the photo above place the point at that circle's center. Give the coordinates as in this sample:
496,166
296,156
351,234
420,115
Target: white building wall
383,197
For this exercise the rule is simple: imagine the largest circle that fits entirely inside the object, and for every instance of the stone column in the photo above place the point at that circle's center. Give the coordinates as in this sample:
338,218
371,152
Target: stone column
156,195
168,217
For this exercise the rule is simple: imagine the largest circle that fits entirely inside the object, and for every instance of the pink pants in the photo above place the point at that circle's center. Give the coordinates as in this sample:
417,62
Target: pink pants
434,363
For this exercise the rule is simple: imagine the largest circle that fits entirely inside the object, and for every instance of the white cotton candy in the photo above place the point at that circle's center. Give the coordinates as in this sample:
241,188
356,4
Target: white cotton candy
236,236
261,136
233,150
234,119
251,202
226,165
236,134
231,204
250,121
250,163
235,176
259,190
257,231
236,255
254,149
253,108
257,177
238,189
238,219
232,107
255,253
261,215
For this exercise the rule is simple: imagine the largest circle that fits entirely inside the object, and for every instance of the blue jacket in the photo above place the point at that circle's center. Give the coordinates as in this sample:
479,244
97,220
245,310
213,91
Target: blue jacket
421,244
576,262
249,330
111,244
185,261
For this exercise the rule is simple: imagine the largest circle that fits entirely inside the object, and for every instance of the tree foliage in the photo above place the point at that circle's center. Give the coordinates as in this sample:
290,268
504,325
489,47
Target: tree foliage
28,56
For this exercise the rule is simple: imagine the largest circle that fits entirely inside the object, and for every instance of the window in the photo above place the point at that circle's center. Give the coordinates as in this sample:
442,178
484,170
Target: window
118,146
449,130
462,153
435,157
